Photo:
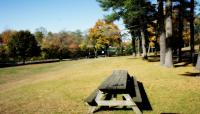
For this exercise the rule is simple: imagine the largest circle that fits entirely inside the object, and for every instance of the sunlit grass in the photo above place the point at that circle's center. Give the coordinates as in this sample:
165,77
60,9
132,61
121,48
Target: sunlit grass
62,87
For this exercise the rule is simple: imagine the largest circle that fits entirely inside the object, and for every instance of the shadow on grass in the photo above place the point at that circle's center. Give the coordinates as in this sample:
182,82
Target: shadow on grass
144,105
21,64
133,58
13,64
169,113
183,64
153,58
190,74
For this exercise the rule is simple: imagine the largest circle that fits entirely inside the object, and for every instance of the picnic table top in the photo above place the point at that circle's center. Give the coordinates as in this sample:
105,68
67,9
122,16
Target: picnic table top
117,82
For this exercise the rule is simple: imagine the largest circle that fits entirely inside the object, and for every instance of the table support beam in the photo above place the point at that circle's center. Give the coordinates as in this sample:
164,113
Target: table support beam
127,102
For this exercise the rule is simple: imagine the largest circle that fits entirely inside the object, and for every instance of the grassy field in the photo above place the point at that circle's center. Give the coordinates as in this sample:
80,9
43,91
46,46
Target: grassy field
62,87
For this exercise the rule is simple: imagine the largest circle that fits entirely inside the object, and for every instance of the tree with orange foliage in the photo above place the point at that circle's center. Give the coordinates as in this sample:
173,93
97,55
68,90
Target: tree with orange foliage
60,45
6,35
152,38
104,34
4,40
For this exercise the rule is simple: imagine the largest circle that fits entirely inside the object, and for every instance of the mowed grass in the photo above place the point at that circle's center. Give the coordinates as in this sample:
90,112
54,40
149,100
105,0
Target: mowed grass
62,87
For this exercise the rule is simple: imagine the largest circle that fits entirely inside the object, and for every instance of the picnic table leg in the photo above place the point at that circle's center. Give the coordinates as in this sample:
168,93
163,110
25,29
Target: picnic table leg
99,96
92,109
134,106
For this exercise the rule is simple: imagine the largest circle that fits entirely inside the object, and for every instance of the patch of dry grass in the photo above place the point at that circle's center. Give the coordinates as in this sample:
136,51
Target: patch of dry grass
62,87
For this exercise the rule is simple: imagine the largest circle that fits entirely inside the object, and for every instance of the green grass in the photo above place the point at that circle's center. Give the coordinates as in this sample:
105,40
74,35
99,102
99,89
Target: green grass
62,87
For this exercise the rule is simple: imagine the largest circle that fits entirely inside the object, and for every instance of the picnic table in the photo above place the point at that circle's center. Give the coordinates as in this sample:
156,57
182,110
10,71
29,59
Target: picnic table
115,86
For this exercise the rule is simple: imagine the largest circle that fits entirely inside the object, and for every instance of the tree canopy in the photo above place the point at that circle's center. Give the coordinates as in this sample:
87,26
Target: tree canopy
23,44
104,34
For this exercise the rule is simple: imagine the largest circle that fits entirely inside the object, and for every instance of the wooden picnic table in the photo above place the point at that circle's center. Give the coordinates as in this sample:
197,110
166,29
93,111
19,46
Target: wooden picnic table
118,84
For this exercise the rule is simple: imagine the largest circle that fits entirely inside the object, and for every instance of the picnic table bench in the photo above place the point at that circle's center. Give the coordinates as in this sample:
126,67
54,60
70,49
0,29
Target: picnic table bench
120,83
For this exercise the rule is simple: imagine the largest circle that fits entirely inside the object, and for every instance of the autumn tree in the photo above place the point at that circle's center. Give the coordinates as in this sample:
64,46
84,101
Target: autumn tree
6,35
152,37
3,51
1,40
5,38
135,15
104,34
61,45
23,44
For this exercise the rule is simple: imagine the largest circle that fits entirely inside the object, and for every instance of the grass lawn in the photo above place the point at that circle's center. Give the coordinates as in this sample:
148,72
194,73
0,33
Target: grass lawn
62,87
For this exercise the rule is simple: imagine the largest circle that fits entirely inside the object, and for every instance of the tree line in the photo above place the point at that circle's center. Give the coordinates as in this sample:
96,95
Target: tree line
17,46
23,45
168,20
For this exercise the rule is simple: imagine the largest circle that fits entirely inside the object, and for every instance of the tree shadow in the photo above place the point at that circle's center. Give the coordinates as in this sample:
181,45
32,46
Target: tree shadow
181,64
13,64
190,74
133,58
168,113
153,58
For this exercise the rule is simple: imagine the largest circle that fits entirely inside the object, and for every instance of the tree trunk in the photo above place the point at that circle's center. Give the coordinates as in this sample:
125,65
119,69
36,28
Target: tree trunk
107,52
149,49
162,48
192,30
24,60
169,35
144,51
139,45
179,59
133,43
95,53
198,62
162,33
180,32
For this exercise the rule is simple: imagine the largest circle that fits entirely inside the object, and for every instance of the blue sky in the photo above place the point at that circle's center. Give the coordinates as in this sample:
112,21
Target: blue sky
54,15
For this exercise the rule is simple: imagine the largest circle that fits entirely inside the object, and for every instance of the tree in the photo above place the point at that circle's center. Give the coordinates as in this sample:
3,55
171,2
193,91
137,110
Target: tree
197,29
169,34
135,13
42,30
191,20
61,45
1,40
180,29
23,44
152,37
161,32
104,34
4,39
39,36
40,33
6,35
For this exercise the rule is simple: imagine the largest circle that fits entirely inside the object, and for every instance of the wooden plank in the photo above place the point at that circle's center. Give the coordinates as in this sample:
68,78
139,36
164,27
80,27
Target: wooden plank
115,103
134,106
138,97
115,82
91,98
123,80
92,109
121,83
105,83
115,79
101,102
127,102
